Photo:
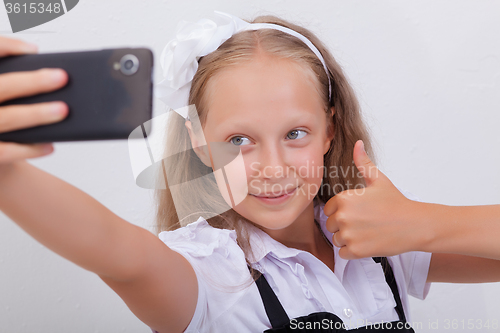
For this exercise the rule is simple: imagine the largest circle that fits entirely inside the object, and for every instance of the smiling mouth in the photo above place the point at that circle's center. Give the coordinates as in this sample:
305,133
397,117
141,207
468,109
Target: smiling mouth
272,196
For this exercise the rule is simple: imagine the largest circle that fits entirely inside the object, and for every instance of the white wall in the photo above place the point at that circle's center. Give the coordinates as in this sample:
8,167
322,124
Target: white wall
428,77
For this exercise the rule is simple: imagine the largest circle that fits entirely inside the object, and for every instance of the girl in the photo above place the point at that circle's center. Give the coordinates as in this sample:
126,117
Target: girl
266,264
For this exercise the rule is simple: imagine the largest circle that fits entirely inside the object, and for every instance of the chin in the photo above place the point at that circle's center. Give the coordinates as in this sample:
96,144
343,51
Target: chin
272,217
271,221
274,226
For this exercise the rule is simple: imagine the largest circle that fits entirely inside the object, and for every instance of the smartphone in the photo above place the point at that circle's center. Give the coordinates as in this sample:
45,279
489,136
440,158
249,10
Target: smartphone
109,93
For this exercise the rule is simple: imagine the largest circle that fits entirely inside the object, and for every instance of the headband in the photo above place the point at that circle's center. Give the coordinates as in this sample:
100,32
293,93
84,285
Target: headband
179,58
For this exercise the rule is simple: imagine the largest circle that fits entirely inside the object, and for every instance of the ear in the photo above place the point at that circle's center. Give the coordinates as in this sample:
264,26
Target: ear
329,136
199,145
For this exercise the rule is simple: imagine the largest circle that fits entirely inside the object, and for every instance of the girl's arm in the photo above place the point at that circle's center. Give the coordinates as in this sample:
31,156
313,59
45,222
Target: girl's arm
380,221
456,268
156,283
461,235
468,230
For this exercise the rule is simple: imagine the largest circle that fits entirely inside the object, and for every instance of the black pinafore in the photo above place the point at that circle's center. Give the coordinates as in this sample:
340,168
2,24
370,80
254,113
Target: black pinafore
328,322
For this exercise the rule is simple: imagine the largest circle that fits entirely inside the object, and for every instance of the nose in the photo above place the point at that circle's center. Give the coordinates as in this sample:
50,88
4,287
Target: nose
273,161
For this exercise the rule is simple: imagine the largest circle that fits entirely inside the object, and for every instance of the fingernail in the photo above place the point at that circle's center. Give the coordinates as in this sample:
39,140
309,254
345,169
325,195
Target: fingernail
56,110
363,146
29,48
56,75
47,148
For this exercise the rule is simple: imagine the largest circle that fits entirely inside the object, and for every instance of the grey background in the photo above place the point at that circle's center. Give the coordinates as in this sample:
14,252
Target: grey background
427,74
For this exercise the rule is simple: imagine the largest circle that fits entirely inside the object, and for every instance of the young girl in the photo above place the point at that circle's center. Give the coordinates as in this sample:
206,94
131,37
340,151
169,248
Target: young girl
267,263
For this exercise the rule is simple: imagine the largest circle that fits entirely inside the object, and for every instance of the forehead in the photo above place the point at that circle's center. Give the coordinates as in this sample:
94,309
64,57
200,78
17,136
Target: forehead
263,89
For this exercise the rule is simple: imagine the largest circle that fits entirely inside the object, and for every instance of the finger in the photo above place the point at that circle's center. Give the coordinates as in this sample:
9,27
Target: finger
345,254
11,152
9,46
21,84
334,203
337,239
365,166
331,224
331,206
14,117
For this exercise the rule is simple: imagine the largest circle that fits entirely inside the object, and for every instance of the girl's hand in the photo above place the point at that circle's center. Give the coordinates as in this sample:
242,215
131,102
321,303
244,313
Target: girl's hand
372,221
20,84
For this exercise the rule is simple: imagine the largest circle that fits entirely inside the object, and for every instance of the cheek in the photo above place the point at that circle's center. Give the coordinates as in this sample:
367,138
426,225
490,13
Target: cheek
310,170
309,165
232,181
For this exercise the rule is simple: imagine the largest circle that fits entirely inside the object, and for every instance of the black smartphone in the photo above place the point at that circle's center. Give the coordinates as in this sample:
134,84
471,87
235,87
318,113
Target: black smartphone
109,94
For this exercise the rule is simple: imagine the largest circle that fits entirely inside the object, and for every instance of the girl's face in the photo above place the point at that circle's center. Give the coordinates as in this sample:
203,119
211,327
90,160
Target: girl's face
270,108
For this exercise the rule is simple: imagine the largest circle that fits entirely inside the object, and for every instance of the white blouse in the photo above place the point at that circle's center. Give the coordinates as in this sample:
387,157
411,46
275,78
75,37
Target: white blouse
228,301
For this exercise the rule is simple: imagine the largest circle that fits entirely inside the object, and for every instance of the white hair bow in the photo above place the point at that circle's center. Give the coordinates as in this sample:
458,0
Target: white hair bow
179,58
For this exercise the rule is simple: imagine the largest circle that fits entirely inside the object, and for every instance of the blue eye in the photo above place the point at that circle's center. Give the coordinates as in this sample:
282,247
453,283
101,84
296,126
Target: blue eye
239,140
296,134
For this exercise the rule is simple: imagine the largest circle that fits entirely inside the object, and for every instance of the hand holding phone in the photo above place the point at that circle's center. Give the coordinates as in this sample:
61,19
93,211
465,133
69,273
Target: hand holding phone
19,84
108,94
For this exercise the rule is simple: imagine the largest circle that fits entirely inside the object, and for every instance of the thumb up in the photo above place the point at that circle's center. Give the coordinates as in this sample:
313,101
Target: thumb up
365,166
372,221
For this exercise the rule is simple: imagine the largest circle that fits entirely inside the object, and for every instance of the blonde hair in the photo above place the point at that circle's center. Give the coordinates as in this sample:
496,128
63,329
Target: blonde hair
346,123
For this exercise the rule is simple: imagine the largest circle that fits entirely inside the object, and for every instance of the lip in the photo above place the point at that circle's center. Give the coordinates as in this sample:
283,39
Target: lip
277,200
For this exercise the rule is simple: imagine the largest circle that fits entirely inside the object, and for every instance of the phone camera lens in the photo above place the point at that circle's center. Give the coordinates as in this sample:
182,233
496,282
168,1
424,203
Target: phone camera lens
129,64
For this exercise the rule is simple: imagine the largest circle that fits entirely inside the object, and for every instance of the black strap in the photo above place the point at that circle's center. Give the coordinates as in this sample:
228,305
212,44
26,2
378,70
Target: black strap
391,281
277,314
274,310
